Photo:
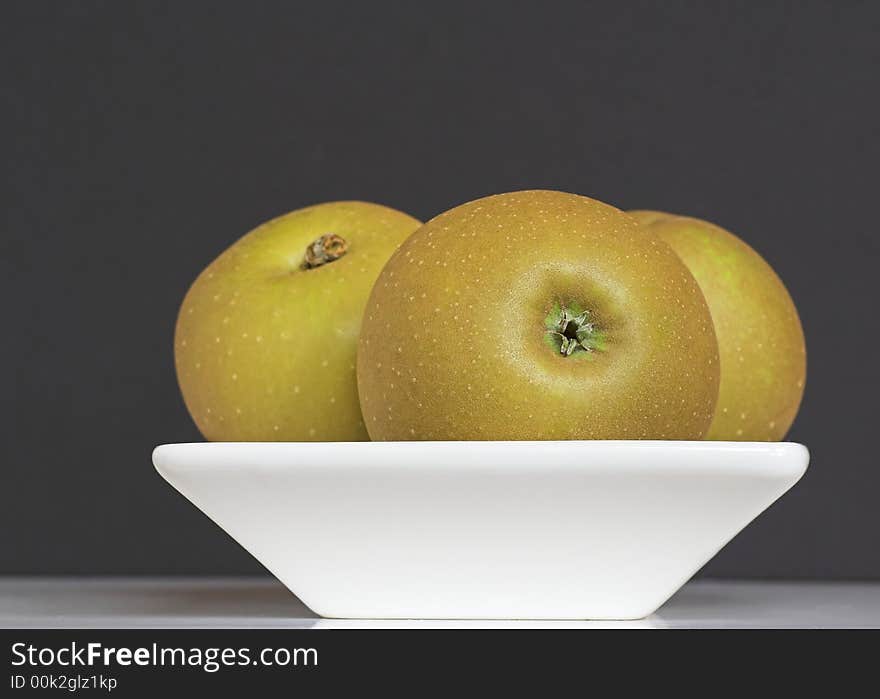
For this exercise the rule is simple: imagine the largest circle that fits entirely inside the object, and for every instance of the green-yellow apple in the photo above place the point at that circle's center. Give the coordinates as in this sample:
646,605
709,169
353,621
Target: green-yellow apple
536,315
760,339
266,337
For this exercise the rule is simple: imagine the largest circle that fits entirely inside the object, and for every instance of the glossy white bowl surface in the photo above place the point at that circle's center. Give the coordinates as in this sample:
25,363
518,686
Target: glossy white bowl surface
522,530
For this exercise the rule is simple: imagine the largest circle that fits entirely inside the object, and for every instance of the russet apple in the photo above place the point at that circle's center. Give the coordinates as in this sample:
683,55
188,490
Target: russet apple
266,337
536,315
760,339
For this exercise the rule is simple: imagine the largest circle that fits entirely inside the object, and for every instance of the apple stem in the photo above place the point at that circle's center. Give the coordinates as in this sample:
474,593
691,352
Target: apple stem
327,248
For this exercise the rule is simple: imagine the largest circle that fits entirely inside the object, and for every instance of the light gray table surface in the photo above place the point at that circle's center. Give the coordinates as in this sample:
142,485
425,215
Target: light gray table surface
28,602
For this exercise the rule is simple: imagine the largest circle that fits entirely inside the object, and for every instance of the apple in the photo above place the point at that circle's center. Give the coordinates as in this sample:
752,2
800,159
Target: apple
760,338
266,337
536,315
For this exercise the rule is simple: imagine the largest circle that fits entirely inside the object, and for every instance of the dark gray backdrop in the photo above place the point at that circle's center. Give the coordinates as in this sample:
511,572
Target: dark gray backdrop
140,139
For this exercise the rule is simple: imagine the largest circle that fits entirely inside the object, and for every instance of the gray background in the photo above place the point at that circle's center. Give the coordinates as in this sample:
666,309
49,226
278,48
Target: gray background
141,139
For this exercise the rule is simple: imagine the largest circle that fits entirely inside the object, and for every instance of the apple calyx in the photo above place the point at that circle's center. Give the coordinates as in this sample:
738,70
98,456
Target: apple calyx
570,331
327,248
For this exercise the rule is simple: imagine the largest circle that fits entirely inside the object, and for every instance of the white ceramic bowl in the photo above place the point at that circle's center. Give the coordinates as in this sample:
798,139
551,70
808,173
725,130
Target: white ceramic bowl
522,530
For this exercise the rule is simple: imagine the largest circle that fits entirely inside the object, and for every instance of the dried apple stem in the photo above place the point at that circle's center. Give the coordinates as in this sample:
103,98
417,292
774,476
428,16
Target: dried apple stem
327,248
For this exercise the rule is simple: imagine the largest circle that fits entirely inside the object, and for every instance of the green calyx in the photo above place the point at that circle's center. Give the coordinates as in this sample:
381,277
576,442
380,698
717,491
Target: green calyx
571,332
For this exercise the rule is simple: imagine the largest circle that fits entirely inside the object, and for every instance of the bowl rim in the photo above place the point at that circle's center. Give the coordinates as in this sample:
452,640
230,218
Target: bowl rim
777,458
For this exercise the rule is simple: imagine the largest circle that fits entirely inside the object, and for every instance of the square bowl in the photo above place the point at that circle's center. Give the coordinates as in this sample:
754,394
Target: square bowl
483,530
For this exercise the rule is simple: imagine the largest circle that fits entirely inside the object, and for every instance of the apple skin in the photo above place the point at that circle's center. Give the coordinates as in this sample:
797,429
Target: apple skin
760,338
454,343
264,349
